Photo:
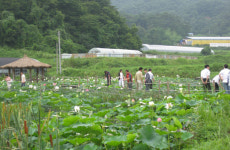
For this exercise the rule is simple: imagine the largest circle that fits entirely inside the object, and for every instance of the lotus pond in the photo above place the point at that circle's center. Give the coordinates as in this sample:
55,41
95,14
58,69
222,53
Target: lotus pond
86,115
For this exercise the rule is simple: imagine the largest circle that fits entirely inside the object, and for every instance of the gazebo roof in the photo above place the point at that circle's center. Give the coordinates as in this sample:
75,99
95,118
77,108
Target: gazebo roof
26,62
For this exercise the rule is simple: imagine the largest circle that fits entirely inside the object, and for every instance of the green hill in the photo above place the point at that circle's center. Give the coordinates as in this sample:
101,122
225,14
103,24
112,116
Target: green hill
206,17
33,25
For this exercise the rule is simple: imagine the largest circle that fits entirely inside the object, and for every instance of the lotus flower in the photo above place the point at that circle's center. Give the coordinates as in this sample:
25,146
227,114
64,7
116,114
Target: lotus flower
181,89
54,84
151,104
169,97
35,87
56,88
44,84
70,88
30,86
168,105
77,108
133,100
159,120
87,90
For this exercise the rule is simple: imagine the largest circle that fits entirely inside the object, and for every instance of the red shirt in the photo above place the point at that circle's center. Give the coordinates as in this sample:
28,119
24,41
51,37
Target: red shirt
127,77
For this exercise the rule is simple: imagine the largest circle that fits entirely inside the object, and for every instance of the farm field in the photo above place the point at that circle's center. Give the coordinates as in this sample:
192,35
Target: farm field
72,114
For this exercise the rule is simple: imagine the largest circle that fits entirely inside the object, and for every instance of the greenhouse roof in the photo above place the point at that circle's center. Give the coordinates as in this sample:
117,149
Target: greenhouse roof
166,48
113,51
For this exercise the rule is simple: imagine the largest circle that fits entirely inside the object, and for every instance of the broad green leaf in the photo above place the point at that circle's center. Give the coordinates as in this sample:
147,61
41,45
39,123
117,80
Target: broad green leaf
171,127
177,122
78,141
90,146
70,120
151,138
114,140
186,135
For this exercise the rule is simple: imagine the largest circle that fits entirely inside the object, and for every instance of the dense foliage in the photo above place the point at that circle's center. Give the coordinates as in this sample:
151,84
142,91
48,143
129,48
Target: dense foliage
207,17
164,28
53,115
33,24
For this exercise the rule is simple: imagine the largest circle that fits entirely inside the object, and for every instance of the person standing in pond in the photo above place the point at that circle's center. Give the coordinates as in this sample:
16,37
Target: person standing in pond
216,80
8,81
151,78
23,79
205,76
108,77
139,79
121,79
229,82
224,78
129,79
147,80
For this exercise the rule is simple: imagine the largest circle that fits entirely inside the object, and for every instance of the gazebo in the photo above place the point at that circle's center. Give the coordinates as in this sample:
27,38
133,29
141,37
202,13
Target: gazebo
26,63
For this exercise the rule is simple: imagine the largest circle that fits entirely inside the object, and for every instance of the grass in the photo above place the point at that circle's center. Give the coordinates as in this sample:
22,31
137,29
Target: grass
96,66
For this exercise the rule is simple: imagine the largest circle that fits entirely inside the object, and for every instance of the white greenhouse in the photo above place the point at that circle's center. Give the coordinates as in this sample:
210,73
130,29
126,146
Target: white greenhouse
165,48
106,52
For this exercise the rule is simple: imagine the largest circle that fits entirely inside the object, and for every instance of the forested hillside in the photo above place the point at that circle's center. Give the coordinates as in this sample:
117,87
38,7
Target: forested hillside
84,24
204,17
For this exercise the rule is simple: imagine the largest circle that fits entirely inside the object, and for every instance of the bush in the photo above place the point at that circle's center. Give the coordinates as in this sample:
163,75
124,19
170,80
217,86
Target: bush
206,51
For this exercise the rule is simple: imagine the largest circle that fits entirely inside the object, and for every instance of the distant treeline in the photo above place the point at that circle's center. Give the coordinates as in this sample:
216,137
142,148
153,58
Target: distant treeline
201,17
84,24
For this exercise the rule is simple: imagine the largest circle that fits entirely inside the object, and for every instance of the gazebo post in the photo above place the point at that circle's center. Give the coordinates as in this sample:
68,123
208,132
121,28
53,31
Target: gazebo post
30,75
13,73
42,74
37,75
9,72
20,74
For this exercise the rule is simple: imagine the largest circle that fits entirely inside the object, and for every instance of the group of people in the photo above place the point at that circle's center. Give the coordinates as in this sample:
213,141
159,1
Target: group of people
223,76
9,80
149,79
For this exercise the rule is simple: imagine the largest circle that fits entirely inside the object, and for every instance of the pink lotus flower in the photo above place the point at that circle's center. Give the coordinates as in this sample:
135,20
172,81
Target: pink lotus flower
133,100
54,84
44,84
159,120
87,90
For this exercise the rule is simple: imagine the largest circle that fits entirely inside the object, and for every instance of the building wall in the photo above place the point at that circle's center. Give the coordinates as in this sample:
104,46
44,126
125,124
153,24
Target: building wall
206,42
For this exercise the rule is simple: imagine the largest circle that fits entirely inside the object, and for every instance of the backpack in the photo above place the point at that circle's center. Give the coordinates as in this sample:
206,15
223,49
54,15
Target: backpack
130,77
118,75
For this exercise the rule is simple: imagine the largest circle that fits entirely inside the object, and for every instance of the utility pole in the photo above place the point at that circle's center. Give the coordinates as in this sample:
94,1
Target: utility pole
59,47
57,57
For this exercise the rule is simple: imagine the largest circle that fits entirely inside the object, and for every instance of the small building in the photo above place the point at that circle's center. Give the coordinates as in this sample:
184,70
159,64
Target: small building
166,48
107,52
7,60
24,64
206,40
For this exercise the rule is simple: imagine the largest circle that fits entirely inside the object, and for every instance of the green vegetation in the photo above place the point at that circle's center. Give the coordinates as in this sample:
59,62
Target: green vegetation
206,51
33,25
164,28
51,115
96,66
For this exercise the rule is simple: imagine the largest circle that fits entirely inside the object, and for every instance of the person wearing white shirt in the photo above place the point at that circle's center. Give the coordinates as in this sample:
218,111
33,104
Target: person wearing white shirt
216,80
23,79
121,79
224,73
205,76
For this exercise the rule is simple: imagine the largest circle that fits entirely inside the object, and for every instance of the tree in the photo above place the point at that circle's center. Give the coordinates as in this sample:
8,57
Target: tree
206,51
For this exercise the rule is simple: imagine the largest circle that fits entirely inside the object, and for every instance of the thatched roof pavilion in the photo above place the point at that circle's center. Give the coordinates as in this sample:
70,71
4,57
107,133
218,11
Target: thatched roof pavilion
26,63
